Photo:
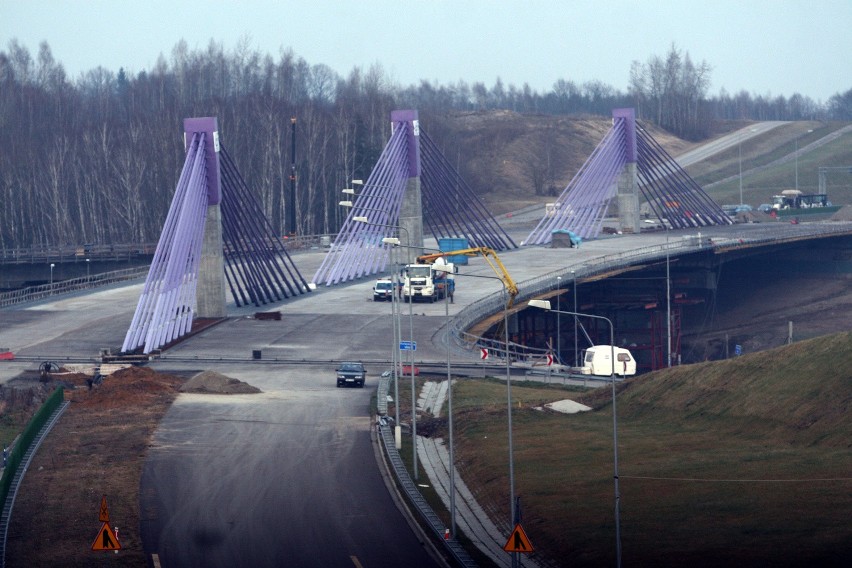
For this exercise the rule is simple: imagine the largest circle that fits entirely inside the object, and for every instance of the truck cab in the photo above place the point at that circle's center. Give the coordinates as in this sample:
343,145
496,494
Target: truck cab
428,281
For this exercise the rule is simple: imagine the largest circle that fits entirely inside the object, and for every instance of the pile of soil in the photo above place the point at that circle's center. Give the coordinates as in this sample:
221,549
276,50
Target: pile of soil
96,450
211,382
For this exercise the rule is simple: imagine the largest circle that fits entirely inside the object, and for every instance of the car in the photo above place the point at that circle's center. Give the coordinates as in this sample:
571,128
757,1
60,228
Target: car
351,373
382,290
765,207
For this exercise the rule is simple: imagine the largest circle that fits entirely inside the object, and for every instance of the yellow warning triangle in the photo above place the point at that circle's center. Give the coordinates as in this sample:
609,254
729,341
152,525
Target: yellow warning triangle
518,541
106,539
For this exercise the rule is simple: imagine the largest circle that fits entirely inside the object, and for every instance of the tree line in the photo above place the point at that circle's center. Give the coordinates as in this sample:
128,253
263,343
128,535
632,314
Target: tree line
96,159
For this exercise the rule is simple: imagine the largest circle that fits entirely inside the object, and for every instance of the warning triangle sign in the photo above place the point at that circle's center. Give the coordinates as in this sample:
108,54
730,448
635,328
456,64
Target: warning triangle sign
103,515
106,539
518,541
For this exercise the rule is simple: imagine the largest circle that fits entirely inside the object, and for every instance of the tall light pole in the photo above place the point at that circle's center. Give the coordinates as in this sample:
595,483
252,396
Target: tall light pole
576,344
397,343
512,512
668,304
545,305
796,153
450,413
87,267
51,275
558,327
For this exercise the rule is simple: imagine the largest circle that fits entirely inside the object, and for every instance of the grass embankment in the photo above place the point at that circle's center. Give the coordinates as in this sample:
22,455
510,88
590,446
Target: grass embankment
745,461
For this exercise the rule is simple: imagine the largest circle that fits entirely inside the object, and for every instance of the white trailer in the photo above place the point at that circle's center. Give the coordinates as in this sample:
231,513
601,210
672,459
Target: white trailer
598,361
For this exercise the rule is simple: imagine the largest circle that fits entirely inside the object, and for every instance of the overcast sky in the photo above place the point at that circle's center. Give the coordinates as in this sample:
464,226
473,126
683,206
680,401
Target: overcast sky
776,47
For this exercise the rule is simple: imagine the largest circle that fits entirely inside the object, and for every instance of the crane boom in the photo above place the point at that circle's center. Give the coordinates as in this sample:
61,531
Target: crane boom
490,257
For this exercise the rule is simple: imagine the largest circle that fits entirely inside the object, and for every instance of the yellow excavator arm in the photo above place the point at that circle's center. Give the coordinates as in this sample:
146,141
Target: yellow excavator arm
490,257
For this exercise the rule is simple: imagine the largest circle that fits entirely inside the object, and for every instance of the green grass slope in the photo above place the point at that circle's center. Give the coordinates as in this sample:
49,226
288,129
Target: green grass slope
739,462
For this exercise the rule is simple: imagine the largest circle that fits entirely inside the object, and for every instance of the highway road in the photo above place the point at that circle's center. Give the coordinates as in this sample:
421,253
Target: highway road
289,476
283,478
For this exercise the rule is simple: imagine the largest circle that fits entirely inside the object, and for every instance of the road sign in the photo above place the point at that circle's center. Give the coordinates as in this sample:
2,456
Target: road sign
106,539
738,349
518,541
408,345
103,515
483,353
550,360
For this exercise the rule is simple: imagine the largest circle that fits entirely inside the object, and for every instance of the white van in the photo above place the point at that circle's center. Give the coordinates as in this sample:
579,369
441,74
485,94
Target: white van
597,361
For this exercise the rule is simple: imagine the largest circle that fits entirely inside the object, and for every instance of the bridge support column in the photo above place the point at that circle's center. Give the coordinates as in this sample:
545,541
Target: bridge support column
210,291
628,186
411,213
628,199
210,294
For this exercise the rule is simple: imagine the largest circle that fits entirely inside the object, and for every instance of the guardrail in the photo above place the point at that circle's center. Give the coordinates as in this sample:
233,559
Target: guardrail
495,303
43,254
33,293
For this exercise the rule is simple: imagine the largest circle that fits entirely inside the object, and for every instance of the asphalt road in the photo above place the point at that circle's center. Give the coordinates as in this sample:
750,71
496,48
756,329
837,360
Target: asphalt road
283,478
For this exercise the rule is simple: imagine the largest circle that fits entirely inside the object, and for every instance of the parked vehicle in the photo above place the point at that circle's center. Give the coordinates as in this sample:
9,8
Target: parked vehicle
382,290
351,373
598,361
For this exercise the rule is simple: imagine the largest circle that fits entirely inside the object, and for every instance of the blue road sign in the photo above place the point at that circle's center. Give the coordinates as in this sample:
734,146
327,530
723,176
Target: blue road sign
738,349
408,345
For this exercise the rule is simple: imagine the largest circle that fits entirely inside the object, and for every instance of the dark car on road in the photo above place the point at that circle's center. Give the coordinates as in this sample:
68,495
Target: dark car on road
351,373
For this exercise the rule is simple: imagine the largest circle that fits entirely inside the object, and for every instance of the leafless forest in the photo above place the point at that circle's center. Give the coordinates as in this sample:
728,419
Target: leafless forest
95,159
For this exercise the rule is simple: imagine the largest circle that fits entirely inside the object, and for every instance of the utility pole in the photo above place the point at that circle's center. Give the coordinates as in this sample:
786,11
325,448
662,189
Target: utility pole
291,205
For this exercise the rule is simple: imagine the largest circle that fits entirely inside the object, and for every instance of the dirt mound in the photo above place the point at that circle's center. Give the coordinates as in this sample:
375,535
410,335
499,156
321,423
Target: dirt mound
843,214
211,382
97,449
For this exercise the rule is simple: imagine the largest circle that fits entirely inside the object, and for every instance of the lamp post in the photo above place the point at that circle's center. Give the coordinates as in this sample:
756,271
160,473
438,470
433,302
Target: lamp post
668,304
395,316
411,351
512,512
51,276
87,267
576,345
796,153
545,305
558,328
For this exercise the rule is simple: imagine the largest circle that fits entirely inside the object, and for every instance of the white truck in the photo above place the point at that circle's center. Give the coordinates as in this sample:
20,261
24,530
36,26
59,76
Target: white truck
428,281
598,361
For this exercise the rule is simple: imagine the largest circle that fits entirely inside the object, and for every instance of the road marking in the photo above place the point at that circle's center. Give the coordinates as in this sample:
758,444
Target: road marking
155,559
355,562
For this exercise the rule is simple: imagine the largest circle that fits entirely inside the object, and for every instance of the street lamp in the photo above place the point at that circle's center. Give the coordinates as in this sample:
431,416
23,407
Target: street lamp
576,346
558,328
512,512
395,312
87,267
51,274
668,303
796,153
545,305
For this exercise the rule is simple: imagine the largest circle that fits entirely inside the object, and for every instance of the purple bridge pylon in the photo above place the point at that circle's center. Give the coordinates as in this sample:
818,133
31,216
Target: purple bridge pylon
215,235
412,184
628,162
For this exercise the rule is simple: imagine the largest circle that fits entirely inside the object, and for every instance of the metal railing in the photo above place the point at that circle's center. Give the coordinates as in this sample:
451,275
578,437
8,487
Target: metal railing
494,303
43,291
42,254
